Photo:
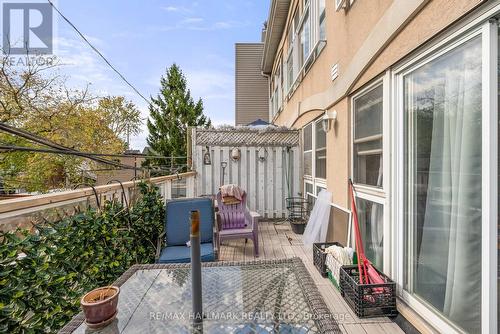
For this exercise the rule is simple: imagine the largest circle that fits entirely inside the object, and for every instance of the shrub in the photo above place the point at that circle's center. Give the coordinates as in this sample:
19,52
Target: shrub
44,274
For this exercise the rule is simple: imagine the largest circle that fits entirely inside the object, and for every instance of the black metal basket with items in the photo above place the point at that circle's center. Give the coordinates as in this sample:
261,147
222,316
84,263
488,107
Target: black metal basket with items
368,300
297,213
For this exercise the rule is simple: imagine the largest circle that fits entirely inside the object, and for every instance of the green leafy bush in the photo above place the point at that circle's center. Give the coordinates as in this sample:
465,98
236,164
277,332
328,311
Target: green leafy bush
44,274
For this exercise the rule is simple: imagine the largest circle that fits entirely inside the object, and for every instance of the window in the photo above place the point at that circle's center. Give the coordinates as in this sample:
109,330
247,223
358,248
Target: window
367,148
442,105
280,84
314,141
289,72
320,154
322,20
276,100
371,225
308,194
319,188
291,58
305,40
308,142
314,149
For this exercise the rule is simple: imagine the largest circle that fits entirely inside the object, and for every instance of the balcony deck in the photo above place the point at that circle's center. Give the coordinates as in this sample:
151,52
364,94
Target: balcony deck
278,241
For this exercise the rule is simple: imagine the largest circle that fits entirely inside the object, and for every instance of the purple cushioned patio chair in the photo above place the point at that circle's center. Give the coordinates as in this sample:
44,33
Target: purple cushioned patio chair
235,221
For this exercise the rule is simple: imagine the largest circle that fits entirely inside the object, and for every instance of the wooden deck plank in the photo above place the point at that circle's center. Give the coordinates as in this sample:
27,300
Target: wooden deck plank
268,242
353,329
278,241
390,327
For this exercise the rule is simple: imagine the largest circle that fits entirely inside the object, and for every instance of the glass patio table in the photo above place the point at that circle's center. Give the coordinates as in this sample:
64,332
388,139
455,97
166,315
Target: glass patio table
270,296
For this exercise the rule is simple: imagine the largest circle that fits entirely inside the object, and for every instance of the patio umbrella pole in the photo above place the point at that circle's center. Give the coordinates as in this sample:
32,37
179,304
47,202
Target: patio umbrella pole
196,272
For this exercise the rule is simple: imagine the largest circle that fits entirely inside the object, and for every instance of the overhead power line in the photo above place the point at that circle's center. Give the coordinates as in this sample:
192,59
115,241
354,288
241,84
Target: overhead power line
60,148
12,148
99,53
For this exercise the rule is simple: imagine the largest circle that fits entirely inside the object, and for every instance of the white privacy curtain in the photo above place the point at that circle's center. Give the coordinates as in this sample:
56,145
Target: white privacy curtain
317,226
450,248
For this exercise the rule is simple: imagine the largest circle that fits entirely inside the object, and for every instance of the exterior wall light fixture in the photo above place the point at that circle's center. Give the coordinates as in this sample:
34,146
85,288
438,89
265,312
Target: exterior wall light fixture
329,116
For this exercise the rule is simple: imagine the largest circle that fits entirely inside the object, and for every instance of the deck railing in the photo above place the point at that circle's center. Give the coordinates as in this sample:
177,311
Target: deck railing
23,211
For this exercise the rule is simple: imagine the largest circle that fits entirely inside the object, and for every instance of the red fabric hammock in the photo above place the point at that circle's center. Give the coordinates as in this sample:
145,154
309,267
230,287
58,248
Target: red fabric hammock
367,273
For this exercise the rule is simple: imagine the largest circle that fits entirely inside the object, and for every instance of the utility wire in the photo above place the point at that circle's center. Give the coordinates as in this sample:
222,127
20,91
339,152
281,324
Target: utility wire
12,148
32,137
99,53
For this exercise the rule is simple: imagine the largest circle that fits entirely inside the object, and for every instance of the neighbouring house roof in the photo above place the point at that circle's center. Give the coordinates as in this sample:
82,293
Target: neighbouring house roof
132,152
276,24
247,136
258,122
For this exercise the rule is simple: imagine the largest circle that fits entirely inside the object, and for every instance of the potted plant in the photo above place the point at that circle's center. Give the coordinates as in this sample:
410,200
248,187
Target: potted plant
99,306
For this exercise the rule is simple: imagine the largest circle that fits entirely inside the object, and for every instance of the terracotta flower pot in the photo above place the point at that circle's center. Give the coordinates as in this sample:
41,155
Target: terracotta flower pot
99,306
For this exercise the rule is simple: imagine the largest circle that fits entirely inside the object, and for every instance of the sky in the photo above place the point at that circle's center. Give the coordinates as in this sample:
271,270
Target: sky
142,38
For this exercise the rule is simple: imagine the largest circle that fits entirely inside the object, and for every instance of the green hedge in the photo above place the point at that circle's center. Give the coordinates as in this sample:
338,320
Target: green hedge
41,290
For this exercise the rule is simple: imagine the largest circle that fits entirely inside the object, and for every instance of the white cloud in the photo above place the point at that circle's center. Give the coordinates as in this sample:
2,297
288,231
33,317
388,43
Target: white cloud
192,20
176,9
200,24
211,84
82,66
170,8
80,62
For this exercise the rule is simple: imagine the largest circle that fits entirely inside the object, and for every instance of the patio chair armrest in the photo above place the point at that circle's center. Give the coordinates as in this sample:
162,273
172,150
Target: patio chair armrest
218,223
158,245
252,217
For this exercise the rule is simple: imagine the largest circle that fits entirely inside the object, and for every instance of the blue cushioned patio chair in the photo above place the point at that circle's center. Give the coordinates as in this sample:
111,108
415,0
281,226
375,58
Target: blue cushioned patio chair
177,229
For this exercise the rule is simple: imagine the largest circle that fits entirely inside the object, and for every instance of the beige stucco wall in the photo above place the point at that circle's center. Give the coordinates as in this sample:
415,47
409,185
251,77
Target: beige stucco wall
347,34
433,18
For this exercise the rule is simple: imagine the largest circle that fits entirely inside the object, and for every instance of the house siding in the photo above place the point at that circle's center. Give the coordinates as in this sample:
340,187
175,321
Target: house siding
252,98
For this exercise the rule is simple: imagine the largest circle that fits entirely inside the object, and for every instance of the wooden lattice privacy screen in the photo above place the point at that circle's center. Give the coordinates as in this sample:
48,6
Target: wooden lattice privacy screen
269,167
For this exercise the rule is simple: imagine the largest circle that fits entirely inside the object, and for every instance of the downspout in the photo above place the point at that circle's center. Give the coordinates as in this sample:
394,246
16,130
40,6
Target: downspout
268,76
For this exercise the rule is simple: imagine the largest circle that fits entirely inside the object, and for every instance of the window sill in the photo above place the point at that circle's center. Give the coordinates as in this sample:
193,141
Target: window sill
369,190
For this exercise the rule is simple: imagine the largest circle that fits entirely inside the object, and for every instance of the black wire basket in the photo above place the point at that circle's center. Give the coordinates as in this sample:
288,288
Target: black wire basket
297,213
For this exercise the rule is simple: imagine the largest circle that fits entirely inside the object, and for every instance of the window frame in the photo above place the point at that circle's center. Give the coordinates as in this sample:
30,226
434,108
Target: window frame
379,195
488,31
276,80
367,89
321,20
312,179
317,124
302,64
307,176
305,17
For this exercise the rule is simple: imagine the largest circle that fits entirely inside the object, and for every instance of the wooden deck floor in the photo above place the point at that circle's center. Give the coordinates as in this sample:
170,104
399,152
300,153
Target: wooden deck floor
278,241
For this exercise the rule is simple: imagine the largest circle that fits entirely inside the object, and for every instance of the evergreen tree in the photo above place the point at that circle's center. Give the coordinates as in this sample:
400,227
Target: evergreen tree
171,113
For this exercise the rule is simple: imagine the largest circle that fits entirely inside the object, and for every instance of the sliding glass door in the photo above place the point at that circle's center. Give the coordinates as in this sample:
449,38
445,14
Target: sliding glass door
443,183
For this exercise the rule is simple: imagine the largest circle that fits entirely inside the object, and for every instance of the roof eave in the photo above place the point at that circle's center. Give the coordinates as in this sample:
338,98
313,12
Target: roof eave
276,23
